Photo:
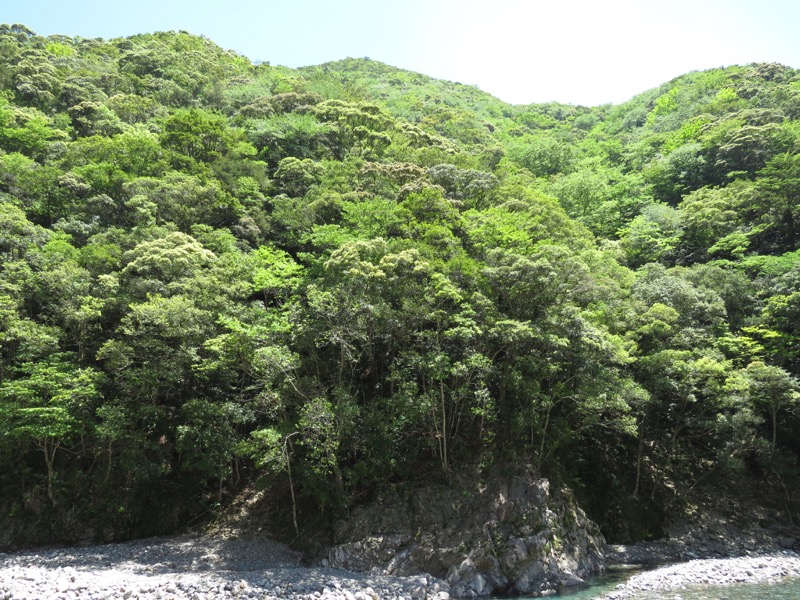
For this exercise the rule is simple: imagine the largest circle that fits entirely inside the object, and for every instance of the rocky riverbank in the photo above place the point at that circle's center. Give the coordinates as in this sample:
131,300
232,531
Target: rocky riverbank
194,568
717,544
712,534
206,567
745,569
504,535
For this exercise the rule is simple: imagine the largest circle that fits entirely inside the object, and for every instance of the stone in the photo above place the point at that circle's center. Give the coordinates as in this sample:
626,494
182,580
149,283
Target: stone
569,580
417,590
530,579
481,536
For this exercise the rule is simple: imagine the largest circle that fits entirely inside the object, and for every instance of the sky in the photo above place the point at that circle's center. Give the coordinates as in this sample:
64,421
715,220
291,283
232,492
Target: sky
586,52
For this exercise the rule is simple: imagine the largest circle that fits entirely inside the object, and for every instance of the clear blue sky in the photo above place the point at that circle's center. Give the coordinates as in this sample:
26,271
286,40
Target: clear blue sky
575,51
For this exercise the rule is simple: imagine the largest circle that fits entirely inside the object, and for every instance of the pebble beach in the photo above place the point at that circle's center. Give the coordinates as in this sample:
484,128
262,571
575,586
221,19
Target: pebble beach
722,571
218,567
193,568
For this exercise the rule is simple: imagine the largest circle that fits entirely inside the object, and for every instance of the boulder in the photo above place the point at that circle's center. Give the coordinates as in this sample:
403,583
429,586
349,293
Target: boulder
498,535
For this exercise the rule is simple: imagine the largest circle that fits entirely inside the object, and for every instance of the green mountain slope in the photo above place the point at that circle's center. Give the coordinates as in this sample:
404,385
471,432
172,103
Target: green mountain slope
216,275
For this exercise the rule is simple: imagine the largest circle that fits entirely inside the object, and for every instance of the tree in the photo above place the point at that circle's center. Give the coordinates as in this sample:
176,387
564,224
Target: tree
749,148
473,188
92,118
779,329
652,236
25,130
543,156
780,177
167,259
153,356
709,216
290,135
295,177
683,170
700,310
206,438
581,194
181,199
17,233
198,134
36,81
51,407
690,392
773,390
356,128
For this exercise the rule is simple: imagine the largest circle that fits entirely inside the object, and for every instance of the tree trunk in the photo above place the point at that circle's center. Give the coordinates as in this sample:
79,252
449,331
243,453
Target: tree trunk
639,460
49,448
544,436
286,447
774,411
444,427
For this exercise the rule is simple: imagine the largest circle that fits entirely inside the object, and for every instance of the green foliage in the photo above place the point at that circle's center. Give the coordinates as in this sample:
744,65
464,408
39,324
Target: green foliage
542,156
343,276
652,236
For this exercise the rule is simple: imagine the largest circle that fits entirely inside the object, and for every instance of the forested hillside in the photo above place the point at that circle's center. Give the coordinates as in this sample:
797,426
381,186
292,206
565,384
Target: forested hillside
215,274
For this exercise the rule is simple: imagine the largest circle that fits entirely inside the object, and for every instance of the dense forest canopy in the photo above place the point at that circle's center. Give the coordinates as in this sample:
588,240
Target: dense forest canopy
216,274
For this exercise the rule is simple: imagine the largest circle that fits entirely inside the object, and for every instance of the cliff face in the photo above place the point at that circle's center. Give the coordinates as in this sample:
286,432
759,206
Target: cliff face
503,535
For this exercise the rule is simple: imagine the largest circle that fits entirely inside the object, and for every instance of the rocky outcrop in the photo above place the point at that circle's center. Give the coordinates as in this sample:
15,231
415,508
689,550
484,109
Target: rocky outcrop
507,535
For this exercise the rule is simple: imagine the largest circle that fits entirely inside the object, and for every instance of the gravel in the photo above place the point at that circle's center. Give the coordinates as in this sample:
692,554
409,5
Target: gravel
749,569
193,568
219,567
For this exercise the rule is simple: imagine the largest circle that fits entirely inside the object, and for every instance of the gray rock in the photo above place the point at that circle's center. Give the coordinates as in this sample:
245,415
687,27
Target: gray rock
417,589
568,580
787,543
482,537
530,578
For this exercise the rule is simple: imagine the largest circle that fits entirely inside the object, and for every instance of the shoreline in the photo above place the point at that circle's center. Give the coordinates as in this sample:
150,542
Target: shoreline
194,568
765,568
203,567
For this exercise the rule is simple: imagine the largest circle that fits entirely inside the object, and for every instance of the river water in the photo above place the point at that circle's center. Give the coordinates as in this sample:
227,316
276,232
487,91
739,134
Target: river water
788,589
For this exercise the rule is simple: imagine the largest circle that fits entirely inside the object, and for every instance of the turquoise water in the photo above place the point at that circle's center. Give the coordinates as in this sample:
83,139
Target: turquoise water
788,589
604,583
785,590
598,585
